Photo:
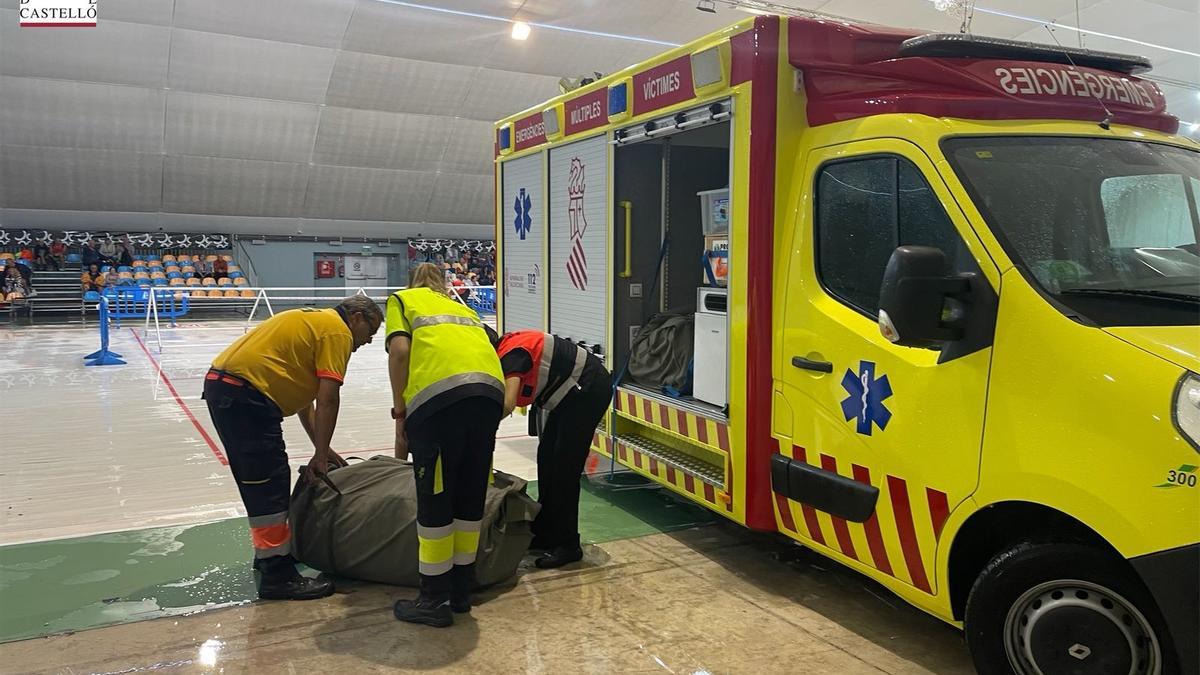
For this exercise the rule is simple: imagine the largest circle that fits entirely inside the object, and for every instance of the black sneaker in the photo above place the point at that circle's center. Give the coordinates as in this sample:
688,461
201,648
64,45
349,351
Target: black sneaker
434,613
562,555
460,604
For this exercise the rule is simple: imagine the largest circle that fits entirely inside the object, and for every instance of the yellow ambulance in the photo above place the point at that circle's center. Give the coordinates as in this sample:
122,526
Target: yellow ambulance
927,304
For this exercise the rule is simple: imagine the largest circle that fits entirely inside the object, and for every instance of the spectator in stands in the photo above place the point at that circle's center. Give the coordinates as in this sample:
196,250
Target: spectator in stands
58,255
15,287
112,277
41,256
90,255
25,267
220,268
108,251
25,254
203,267
92,279
124,256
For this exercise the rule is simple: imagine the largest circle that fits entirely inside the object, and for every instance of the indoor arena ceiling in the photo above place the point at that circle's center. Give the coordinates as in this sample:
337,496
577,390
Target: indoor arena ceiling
373,117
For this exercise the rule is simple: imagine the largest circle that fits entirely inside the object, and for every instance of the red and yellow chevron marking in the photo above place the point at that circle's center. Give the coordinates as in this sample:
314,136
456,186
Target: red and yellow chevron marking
693,428
677,479
899,539
686,425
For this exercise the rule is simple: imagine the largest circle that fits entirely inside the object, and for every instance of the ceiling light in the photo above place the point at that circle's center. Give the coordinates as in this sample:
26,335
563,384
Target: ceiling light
709,6
520,30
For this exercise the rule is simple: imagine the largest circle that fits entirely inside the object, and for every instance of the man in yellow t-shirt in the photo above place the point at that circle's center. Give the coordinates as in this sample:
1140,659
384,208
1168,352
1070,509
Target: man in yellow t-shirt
277,370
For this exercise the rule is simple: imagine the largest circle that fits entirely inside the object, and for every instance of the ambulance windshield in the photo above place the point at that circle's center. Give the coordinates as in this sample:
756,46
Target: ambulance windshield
1104,218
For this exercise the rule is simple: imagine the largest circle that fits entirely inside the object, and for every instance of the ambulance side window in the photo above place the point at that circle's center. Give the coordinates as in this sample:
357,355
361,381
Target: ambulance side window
866,208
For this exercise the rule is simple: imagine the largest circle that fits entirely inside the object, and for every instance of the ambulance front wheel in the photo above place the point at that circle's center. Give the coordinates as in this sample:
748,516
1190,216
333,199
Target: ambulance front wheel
1041,607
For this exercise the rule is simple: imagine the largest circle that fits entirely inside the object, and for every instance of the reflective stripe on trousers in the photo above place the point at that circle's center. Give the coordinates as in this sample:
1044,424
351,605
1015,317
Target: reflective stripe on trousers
271,535
441,548
435,549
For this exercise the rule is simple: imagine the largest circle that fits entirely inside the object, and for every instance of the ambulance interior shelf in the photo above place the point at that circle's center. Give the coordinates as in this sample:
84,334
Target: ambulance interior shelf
678,188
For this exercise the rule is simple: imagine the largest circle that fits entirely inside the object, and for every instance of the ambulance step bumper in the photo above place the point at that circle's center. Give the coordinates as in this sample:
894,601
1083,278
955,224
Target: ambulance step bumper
713,474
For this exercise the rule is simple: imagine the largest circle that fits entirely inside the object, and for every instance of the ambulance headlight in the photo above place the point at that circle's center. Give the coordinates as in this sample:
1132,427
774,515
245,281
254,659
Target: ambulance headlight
1187,408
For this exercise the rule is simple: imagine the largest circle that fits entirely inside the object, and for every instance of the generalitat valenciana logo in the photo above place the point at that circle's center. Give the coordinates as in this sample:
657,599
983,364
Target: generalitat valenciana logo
58,13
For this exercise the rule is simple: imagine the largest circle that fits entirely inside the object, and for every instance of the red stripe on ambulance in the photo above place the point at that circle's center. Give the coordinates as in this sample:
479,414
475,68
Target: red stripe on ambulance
874,537
809,513
898,489
845,543
939,510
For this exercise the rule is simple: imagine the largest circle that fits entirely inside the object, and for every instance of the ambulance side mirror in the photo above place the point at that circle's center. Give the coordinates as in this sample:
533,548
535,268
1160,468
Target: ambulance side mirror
919,305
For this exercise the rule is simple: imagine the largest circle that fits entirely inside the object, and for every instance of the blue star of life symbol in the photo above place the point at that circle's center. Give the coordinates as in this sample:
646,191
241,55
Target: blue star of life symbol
865,402
522,206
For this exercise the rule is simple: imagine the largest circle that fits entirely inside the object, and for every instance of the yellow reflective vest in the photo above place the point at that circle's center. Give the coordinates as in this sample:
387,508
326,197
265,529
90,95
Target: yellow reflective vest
451,357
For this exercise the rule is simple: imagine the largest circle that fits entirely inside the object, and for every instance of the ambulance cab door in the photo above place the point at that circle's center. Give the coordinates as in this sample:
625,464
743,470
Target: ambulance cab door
883,441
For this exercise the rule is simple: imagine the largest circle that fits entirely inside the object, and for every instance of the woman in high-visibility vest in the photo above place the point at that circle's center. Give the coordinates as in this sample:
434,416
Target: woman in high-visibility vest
574,389
447,398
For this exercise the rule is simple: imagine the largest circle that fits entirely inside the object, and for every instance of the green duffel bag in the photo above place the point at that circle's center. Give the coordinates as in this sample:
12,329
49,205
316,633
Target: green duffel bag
362,524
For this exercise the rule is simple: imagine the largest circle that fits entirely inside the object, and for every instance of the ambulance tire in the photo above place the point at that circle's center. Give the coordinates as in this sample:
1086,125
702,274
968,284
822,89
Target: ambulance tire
1088,606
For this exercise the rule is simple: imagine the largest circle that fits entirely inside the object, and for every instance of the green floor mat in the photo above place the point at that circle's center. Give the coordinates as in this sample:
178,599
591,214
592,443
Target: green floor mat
86,582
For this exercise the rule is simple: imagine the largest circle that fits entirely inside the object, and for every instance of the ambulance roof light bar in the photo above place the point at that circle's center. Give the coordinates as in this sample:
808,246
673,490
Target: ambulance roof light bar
673,124
956,45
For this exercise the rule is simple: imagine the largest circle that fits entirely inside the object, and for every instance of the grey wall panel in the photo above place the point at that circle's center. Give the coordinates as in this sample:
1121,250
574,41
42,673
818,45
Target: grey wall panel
113,51
242,128
400,85
65,178
312,22
462,198
368,194
380,140
500,93
226,64
157,12
395,30
233,186
470,149
66,114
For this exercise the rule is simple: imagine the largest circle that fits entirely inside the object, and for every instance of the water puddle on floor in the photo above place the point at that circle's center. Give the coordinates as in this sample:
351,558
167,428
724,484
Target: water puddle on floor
85,582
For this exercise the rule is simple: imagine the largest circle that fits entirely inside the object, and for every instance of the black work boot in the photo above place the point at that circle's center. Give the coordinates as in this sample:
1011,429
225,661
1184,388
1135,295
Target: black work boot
278,580
559,556
425,610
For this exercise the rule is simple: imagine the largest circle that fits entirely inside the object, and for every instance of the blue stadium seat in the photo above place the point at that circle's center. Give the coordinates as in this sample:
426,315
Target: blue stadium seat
235,275
174,275
123,268
74,258
91,296
105,268
139,257
160,282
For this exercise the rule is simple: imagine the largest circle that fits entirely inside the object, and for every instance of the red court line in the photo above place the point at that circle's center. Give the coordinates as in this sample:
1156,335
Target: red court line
187,411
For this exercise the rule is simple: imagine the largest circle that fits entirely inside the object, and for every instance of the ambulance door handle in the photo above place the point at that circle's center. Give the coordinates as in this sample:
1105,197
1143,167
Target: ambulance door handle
628,270
807,364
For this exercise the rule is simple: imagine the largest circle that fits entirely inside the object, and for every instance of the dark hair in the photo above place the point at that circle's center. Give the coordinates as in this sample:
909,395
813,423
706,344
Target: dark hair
361,304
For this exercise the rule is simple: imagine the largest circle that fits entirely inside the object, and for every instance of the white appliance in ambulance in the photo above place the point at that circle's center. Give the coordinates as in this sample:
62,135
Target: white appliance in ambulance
711,366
